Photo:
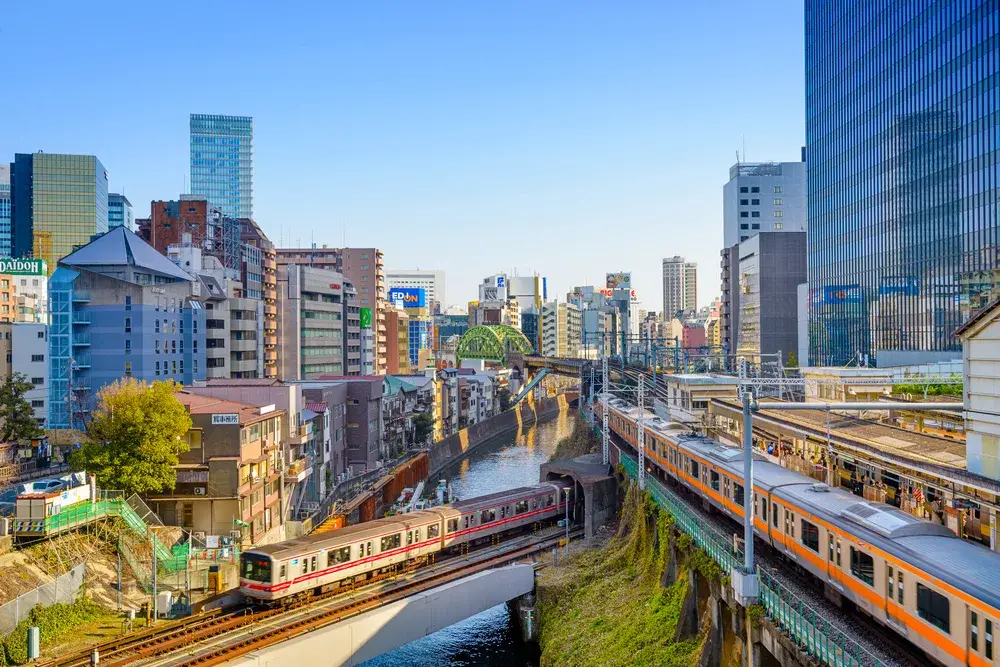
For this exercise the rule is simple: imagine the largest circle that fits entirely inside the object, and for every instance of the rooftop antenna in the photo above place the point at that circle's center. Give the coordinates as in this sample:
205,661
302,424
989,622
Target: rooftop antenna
744,147
345,234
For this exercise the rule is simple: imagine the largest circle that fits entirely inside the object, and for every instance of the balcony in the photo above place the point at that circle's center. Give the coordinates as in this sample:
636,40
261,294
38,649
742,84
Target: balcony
270,340
81,361
81,340
81,317
300,468
270,355
270,309
81,297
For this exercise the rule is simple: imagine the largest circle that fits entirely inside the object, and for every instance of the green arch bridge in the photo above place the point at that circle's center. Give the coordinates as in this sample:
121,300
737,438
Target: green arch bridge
492,342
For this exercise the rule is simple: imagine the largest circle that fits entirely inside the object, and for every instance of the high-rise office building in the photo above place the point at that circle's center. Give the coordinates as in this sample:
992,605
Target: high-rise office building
58,203
432,282
903,229
763,197
4,210
119,212
222,162
680,286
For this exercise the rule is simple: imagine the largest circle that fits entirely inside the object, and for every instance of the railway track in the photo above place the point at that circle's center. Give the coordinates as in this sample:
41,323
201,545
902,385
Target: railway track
214,637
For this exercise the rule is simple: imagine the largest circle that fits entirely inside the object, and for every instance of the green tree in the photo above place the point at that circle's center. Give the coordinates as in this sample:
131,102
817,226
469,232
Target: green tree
135,437
424,425
16,413
793,360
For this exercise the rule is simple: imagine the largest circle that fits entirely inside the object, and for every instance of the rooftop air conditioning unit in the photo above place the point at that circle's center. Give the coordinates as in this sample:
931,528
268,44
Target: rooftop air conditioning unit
199,490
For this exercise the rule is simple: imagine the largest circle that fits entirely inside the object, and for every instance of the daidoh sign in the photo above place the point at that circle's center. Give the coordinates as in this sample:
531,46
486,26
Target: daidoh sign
22,267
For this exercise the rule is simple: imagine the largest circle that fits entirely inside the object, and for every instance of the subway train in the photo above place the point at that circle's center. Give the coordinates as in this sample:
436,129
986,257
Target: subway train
937,591
319,563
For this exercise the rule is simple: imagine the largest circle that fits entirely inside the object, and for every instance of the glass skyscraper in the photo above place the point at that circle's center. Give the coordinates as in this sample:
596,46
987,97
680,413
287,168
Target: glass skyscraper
4,210
902,175
222,162
119,212
58,203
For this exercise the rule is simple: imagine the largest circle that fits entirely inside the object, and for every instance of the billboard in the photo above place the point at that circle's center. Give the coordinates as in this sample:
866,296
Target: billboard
411,297
904,285
366,318
619,280
833,294
22,267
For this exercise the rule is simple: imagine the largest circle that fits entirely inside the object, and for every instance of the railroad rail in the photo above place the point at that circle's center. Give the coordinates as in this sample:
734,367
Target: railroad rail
217,636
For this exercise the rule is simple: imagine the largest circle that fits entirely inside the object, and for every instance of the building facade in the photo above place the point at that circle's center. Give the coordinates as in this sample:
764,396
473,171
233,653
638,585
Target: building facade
23,349
562,330
222,162
771,267
397,327
119,309
680,286
903,233
763,197
120,212
320,324
251,235
58,203
365,269
432,282
5,247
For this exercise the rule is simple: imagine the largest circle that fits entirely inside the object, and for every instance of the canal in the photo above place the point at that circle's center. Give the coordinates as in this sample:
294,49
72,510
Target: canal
491,638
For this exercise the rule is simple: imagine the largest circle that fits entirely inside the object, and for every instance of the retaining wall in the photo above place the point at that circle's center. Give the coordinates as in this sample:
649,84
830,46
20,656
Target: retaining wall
454,447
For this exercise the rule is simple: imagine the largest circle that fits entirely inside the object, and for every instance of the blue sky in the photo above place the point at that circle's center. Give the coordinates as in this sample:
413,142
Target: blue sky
569,138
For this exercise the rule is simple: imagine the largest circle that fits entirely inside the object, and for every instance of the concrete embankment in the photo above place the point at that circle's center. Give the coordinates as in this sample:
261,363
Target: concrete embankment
453,448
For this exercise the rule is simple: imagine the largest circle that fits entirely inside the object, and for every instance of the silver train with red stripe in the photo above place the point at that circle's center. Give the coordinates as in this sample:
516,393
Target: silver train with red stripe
319,563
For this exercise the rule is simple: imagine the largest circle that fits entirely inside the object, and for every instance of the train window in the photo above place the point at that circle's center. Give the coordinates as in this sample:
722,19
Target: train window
521,507
900,588
763,508
862,566
369,545
973,631
774,514
890,578
409,537
829,544
305,566
694,469
452,525
312,563
810,535
726,487
434,530
838,552
715,480
283,572
335,556
256,568
503,512
738,494
989,639
549,500
390,542
466,520
485,516
934,608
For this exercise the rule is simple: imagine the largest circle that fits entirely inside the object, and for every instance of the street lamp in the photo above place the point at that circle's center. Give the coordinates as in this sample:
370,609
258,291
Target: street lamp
567,490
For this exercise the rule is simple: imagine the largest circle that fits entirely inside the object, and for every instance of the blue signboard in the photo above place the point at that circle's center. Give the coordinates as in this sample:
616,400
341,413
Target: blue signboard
842,294
411,297
904,285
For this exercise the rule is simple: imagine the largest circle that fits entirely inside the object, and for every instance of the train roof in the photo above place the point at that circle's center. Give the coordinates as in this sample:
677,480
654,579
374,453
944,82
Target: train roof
494,498
969,567
348,534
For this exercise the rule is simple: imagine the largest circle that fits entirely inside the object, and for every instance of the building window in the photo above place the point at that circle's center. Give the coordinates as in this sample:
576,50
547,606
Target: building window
157,344
173,367
128,347
778,226
779,214
777,189
173,347
744,189
157,372
157,326
41,334
744,238
934,608
744,226
744,202
37,357
755,202
128,303
128,369
743,214
754,189
37,381
777,201
756,214
128,325
755,225
364,267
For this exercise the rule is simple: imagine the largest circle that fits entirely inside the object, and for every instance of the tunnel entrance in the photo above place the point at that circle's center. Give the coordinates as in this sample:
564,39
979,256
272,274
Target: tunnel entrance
594,489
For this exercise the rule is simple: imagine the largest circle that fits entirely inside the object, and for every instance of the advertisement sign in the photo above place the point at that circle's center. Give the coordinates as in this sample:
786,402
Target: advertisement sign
834,294
619,280
366,318
610,293
904,285
501,281
411,297
23,267
226,419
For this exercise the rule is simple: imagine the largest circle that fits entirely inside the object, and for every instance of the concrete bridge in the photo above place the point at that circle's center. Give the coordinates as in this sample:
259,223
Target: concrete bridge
354,640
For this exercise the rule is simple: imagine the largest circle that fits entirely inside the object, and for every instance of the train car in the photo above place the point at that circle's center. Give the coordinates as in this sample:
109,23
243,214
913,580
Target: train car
936,590
328,560
476,519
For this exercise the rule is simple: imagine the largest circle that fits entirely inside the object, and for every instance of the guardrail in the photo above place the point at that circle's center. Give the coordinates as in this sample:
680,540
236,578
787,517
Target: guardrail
787,611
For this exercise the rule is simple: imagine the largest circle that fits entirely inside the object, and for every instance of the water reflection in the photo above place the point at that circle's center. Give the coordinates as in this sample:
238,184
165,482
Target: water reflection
491,638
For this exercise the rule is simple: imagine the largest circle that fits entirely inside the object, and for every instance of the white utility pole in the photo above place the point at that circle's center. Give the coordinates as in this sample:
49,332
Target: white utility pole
605,397
640,439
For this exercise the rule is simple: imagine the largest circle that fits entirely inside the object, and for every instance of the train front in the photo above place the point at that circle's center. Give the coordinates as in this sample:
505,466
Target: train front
257,576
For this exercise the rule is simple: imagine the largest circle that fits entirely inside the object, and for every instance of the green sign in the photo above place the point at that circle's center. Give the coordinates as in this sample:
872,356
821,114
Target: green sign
366,318
22,267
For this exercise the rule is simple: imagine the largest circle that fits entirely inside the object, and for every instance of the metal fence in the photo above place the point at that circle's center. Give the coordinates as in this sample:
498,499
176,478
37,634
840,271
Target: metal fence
63,589
814,634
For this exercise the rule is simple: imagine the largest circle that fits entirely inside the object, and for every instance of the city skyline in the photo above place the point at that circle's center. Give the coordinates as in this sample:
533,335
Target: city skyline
562,142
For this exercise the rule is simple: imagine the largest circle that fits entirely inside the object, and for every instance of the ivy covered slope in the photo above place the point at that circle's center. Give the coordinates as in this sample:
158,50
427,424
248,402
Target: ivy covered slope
607,607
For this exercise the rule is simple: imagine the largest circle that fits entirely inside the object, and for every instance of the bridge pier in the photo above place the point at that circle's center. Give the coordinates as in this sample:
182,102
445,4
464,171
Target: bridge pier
525,610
